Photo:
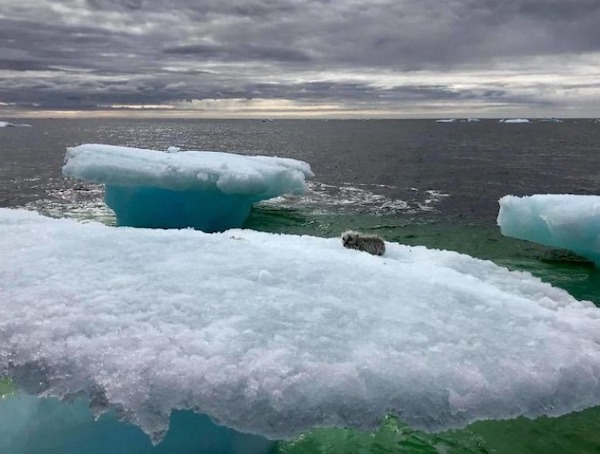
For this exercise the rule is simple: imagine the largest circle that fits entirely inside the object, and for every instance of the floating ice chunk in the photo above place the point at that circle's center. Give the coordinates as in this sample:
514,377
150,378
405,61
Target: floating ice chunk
209,191
446,120
5,124
515,120
273,334
565,221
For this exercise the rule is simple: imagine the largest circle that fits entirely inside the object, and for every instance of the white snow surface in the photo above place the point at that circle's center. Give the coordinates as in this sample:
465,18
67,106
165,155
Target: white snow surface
230,173
566,221
274,334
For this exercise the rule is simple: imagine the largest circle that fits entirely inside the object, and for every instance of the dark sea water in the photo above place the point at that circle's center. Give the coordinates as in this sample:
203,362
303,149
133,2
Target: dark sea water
416,182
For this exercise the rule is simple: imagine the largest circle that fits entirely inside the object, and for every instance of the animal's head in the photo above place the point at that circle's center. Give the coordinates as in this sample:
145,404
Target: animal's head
349,238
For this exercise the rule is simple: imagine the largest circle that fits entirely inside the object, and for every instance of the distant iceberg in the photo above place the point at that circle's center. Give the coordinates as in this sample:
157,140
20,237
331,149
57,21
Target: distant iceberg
552,120
514,120
6,124
446,120
274,334
206,190
564,221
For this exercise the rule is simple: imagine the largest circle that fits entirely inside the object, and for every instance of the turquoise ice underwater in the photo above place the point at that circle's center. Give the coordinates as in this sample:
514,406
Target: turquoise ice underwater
299,375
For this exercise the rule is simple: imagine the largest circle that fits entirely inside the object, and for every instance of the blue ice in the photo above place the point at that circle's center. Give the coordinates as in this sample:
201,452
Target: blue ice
564,221
209,191
29,424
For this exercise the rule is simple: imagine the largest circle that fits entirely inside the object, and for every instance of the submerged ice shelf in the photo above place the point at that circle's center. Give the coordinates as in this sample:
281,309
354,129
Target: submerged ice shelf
210,191
564,221
274,334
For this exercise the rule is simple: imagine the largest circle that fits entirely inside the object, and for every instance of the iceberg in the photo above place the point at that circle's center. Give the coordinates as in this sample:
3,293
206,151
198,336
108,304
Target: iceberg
6,124
446,120
564,221
210,191
514,120
273,334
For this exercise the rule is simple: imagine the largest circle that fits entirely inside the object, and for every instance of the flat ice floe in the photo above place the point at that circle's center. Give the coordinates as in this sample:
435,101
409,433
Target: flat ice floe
564,221
210,191
514,120
5,124
274,334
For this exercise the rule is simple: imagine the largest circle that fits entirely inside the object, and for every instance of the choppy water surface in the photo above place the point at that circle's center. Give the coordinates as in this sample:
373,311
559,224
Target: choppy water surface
413,182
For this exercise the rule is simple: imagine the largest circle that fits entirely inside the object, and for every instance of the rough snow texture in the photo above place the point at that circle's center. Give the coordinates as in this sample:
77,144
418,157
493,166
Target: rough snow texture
559,220
273,334
209,191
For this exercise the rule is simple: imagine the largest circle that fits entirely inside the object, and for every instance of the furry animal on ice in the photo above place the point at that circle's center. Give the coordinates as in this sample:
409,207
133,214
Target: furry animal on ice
372,244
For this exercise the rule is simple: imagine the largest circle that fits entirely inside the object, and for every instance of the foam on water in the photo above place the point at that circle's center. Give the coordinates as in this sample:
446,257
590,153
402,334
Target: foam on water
367,198
274,334
85,201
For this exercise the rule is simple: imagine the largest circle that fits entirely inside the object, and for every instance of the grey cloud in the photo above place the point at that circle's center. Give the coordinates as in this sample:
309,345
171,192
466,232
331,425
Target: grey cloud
124,51
241,52
117,4
22,65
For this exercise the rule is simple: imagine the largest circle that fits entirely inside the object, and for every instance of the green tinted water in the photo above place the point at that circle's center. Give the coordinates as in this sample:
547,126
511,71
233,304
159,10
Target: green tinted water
573,433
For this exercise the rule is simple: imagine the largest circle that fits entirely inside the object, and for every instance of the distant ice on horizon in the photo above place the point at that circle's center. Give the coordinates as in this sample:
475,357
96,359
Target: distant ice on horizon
275,334
564,221
460,120
514,120
210,191
5,124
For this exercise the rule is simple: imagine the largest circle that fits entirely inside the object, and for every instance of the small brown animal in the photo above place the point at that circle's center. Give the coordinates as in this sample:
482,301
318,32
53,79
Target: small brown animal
369,243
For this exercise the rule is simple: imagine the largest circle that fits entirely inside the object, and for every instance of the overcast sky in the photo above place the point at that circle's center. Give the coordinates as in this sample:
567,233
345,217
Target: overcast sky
302,58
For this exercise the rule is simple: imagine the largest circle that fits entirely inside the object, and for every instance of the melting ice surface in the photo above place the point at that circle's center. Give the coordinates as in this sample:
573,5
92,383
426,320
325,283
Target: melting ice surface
274,334
565,221
210,191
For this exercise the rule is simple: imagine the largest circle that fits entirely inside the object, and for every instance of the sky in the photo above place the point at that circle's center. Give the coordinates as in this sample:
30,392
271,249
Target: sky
300,58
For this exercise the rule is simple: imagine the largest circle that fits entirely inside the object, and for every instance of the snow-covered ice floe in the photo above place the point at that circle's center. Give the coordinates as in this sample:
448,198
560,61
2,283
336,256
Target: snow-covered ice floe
564,221
210,191
274,334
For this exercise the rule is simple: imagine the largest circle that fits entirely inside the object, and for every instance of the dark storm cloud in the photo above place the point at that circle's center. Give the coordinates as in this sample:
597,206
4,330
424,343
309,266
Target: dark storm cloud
102,52
240,52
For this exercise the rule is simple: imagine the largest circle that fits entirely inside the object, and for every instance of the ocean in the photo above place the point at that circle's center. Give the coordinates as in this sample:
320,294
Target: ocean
415,182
